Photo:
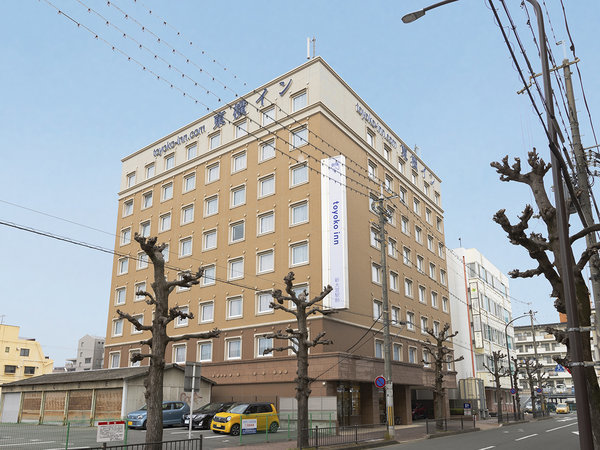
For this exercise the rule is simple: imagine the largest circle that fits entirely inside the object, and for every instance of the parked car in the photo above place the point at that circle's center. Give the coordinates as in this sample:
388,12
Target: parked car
202,417
231,421
172,412
562,408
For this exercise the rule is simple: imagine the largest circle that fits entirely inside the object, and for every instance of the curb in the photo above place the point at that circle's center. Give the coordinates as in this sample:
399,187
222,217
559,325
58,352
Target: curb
451,433
518,422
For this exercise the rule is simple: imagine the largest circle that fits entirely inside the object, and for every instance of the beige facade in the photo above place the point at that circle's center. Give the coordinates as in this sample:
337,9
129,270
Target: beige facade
244,199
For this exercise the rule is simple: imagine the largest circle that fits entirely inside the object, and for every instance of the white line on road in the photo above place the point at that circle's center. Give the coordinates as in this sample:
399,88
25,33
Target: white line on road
526,437
564,426
28,443
487,448
575,432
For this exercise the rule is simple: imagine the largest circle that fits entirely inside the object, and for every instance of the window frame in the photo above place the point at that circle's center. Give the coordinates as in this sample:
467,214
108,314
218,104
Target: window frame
186,179
294,207
239,156
205,237
182,243
230,268
234,191
208,201
165,189
228,305
201,306
270,178
258,261
299,136
259,218
293,170
233,227
184,220
296,245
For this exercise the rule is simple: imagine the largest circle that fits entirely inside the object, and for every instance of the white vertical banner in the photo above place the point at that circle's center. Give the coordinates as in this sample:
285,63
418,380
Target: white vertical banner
334,231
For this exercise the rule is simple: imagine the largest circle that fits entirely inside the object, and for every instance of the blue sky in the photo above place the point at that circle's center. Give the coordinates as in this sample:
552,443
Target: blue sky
71,108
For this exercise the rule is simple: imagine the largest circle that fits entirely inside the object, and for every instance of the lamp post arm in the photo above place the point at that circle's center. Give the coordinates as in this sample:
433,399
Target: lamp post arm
411,17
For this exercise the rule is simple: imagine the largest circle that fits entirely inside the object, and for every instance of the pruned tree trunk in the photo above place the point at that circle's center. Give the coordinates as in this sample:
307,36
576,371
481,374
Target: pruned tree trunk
497,371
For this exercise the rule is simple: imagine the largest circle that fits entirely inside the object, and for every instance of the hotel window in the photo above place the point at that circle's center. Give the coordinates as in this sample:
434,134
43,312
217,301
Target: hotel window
426,188
424,324
150,170
372,170
241,128
126,236
377,310
122,266
395,315
420,262
375,273
397,352
185,247
115,360
422,294
130,179
263,343
416,206
412,355
443,277
120,294
182,321
209,276
238,162
389,184
410,320
429,242
436,328
392,249
234,307
393,281
142,260
145,228
189,182
426,358
402,194
268,116
432,270
299,137
266,186
371,138
374,238
391,216
117,327
414,178
236,269
400,164
299,213
214,141
428,215
179,353
192,151
236,232
267,151
436,198
266,261
233,348
169,161
165,253
438,224
406,255
167,191
127,208
263,303
434,299
444,304
387,152
378,348
209,240
441,250
140,319
205,351
266,223
211,206
147,200
139,287
418,234
165,222
187,214
212,172
299,174
404,225
299,253
238,196
299,101
408,287
207,312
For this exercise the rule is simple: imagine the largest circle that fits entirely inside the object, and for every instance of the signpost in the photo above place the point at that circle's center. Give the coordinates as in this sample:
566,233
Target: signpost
111,431
248,426
467,409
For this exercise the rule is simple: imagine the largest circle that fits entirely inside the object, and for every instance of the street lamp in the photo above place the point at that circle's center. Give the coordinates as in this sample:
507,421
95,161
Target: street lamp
565,258
512,386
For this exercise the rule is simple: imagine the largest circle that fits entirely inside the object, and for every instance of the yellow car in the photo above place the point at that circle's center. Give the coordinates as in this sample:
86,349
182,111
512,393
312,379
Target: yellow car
562,408
261,415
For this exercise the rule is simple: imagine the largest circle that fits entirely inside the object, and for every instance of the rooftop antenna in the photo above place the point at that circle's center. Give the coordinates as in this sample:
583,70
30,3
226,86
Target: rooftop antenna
308,41
314,41
460,242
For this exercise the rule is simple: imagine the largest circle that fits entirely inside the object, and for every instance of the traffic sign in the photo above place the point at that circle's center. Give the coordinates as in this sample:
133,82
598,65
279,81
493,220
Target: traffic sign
467,409
513,391
538,390
380,382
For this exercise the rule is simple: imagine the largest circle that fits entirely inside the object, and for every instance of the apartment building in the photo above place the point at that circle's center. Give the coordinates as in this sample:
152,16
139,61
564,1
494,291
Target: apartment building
90,352
283,179
481,310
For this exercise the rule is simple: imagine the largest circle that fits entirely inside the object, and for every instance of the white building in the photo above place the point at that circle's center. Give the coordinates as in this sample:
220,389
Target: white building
90,354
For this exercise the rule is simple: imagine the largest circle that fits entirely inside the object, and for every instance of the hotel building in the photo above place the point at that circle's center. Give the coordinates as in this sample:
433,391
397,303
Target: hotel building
283,180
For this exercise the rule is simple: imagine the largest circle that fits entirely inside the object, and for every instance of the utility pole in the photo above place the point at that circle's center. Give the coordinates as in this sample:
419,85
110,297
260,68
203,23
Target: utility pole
584,191
539,377
384,216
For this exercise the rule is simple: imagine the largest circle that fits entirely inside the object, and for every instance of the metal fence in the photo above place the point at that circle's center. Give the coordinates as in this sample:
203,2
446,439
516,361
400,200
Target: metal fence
326,436
187,444
449,424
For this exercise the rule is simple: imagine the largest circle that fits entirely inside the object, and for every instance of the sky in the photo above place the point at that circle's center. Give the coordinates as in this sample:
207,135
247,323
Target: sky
71,107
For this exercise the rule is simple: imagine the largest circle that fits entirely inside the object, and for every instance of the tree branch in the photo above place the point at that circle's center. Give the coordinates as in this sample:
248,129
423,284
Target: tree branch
203,335
584,232
283,308
135,357
151,300
516,273
267,351
586,255
136,323
187,280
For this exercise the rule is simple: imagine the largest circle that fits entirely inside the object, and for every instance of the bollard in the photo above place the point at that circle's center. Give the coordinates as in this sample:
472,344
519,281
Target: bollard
462,427
67,440
317,436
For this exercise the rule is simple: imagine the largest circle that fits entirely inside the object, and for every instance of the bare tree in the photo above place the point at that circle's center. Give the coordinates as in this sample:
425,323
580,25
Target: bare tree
163,315
515,377
441,354
530,367
541,249
498,371
299,343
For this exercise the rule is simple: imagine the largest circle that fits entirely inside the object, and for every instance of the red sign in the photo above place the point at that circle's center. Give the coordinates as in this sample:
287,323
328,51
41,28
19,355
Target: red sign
380,382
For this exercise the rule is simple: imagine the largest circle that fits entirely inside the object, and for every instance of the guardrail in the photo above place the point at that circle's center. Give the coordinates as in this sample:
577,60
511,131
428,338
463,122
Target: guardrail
328,436
433,426
187,444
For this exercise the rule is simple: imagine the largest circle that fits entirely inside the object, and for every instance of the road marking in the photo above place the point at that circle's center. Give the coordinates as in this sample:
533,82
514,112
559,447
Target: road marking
564,426
487,448
28,443
526,437
575,432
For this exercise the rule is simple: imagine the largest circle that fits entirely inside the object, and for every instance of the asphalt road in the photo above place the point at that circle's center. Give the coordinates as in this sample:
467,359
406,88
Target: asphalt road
559,432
